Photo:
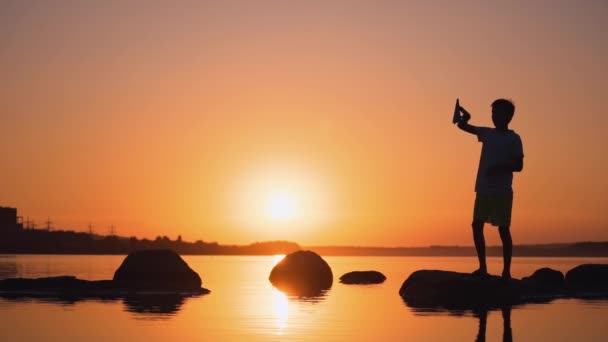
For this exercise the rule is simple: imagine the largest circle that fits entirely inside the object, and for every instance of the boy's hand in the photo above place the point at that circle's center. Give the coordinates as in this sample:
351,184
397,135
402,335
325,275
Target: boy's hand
465,115
463,121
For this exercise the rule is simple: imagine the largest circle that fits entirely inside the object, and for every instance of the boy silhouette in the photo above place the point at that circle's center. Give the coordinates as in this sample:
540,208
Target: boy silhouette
501,155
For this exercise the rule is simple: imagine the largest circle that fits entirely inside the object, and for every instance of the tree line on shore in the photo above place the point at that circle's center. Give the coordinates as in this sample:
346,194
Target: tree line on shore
35,241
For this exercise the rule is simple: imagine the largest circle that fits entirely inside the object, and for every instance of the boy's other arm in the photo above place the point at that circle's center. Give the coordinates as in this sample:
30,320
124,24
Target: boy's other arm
513,165
464,125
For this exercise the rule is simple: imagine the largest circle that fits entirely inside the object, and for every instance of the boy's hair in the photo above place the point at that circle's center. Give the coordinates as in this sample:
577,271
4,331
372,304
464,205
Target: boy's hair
504,106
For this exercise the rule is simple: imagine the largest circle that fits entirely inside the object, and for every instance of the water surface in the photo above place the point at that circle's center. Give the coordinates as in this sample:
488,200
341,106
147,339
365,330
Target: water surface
243,306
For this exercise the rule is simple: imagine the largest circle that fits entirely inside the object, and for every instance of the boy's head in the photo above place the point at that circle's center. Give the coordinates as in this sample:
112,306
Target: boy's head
502,112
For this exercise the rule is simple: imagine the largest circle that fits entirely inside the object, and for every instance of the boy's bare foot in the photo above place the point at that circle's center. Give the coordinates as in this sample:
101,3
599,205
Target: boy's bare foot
480,273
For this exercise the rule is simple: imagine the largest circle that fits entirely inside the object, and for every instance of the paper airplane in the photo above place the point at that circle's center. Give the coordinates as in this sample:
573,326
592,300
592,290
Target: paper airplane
456,117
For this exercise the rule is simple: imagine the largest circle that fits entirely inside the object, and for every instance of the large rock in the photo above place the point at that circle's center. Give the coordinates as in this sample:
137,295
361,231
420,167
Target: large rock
156,270
363,277
453,290
302,273
148,282
545,280
588,278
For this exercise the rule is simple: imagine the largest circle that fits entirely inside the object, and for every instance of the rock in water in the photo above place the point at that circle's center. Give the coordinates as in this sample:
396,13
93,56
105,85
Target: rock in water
156,270
588,278
61,285
546,280
453,290
363,277
302,273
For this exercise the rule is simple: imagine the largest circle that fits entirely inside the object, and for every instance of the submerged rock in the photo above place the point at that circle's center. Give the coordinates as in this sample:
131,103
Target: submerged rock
302,273
161,270
61,284
363,277
588,278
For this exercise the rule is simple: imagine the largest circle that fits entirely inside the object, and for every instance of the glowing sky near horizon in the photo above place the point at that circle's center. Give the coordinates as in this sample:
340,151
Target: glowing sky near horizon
167,119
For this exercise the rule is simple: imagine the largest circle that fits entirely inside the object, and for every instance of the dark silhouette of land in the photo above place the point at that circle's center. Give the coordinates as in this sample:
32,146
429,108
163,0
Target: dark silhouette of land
17,238
37,241
575,249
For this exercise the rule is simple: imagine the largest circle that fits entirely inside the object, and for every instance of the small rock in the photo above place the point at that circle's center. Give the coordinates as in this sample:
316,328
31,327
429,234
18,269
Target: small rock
363,277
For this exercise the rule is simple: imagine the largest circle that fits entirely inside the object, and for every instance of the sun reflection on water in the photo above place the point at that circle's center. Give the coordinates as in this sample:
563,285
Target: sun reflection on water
280,310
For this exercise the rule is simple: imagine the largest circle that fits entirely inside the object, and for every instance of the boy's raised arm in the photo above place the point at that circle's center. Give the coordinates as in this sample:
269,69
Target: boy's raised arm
464,125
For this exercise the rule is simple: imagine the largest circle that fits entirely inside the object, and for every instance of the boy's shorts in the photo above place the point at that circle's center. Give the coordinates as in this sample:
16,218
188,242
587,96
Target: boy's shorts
493,209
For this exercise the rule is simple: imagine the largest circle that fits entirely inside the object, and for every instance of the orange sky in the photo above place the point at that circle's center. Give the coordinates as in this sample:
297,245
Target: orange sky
167,119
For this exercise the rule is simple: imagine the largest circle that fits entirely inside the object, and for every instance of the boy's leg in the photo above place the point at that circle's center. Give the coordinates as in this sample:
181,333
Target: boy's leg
480,245
507,250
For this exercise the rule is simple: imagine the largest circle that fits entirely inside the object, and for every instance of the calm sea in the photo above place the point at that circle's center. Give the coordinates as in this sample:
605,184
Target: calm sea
243,306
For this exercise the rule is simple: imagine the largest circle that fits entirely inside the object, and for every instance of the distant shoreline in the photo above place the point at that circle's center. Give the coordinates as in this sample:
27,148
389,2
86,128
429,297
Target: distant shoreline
63,242
575,249
79,243
325,255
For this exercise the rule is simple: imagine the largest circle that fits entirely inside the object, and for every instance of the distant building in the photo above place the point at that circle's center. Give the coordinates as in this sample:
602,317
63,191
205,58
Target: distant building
8,219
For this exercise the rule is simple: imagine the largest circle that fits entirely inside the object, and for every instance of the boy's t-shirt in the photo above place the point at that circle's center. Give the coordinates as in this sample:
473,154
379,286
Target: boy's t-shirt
498,147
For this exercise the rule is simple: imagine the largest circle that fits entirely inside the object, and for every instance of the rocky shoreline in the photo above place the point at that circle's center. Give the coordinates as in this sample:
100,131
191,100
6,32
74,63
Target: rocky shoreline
453,290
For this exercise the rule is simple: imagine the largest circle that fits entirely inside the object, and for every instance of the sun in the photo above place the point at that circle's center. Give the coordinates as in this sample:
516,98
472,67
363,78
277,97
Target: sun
281,206
279,201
